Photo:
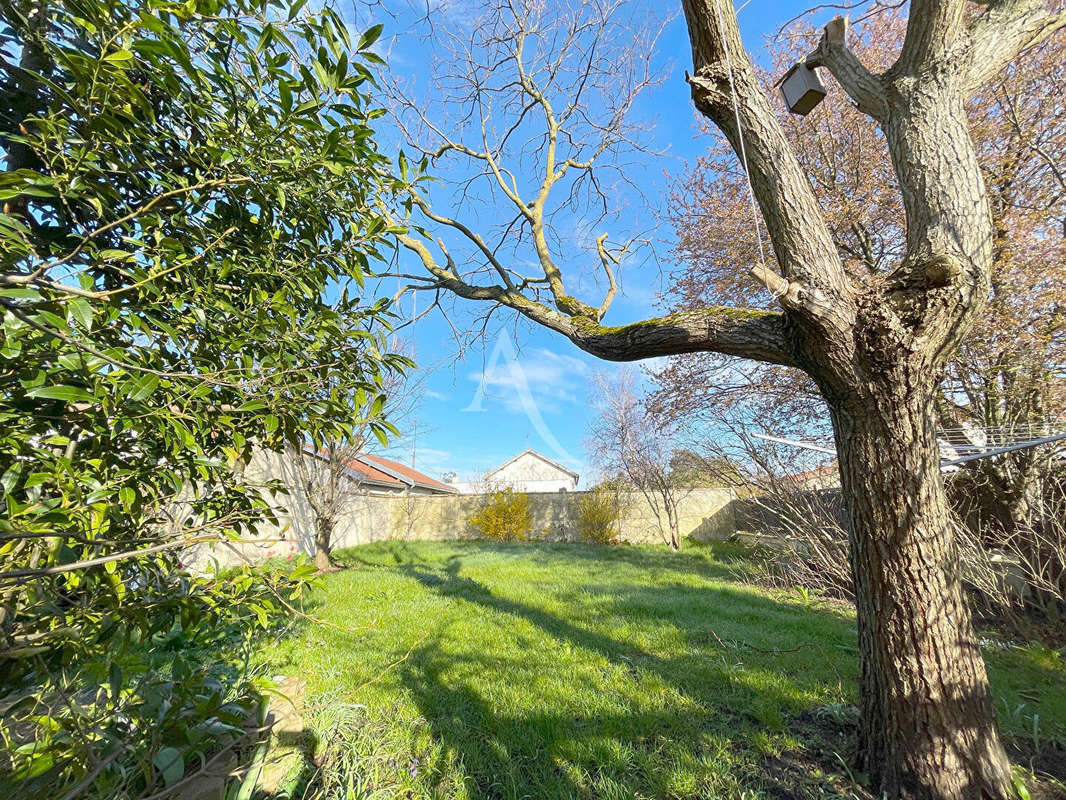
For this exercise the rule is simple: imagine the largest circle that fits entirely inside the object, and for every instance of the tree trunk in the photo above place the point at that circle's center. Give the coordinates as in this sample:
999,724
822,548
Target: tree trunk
323,534
927,723
674,522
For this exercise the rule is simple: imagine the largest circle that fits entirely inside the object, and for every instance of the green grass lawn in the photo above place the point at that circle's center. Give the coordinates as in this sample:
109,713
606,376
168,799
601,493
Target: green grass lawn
555,671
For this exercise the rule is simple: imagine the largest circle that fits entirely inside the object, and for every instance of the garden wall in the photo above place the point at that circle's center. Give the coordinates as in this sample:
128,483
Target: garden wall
769,515
704,514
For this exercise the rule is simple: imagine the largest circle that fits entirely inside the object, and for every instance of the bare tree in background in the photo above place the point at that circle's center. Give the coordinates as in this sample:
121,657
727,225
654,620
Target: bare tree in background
625,441
749,399
540,98
324,481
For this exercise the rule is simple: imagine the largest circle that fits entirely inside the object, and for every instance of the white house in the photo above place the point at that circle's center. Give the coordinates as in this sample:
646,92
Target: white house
529,471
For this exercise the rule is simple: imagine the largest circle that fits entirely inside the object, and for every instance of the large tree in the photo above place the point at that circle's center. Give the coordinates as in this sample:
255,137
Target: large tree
875,346
1001,383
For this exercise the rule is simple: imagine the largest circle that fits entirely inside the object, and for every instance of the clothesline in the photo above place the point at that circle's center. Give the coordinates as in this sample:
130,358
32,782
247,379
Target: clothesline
952,453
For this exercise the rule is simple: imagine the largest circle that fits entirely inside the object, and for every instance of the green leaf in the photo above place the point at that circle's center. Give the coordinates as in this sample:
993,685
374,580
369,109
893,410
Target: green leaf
294,9
80,309
38,765
325,77
339,26
71,394
115,679
21,294
118,55
144,386
170,764
10,477
370,36
36,479
285,94
112,254
261,615
303,571
380,435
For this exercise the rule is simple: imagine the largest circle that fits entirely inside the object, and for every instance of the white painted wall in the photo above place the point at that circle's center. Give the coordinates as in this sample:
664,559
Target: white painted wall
530,473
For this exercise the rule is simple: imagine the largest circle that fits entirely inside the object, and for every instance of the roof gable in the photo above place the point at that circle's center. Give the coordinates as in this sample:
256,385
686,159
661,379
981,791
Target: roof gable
534,453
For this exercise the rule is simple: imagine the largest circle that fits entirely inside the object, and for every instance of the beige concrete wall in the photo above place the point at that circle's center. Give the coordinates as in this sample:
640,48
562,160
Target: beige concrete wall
704,514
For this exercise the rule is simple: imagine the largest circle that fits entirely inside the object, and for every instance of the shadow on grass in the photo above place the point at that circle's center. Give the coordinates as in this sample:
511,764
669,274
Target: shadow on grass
730,672
703,559
695,558
709,698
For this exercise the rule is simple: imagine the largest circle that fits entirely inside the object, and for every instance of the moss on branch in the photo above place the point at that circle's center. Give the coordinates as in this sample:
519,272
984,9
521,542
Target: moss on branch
673,320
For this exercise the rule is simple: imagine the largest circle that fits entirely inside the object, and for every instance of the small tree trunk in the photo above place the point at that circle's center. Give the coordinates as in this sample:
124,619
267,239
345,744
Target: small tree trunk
675,525
928,725
323,534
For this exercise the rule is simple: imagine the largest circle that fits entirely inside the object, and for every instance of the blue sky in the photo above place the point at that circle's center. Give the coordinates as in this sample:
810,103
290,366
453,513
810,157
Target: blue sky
522,386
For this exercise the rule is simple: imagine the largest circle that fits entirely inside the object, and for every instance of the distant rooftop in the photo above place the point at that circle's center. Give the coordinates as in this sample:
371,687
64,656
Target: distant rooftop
390,474
542,457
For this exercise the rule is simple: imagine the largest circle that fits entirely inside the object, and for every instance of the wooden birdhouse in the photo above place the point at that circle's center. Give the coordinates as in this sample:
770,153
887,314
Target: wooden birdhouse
802,89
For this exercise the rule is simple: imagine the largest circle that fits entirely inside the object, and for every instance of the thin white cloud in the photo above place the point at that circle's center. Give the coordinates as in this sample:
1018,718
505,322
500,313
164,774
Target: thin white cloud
554,380
542,381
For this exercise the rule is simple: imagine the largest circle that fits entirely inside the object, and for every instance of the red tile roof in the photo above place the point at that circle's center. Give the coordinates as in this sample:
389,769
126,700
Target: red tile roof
372,473
410,473
817,472
392,474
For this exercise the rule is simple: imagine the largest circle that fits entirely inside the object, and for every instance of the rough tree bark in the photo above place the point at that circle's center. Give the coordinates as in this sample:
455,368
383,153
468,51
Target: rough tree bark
927,724
876,348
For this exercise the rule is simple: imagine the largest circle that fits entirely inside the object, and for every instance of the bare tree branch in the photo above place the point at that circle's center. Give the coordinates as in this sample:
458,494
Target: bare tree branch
862,86
606,259
759,335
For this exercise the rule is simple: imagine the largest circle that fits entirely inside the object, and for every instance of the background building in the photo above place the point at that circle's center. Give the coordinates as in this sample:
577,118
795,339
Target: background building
529,471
